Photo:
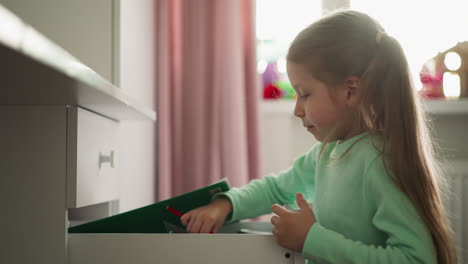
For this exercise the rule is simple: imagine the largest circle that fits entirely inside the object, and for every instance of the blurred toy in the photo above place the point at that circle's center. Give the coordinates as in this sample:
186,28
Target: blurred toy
274,87
269,77
286,87
271,74
452,63
272,91
432,81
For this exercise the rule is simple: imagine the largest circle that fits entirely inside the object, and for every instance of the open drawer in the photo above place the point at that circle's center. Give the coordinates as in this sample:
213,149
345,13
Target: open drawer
226,248
177,249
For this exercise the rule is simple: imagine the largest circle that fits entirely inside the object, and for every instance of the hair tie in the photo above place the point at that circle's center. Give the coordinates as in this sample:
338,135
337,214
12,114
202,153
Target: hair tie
379,36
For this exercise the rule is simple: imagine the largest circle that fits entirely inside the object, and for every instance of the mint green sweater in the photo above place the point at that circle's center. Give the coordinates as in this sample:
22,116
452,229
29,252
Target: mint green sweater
362,217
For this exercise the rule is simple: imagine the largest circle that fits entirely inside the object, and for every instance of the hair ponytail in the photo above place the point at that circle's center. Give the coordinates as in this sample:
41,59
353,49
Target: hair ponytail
406,139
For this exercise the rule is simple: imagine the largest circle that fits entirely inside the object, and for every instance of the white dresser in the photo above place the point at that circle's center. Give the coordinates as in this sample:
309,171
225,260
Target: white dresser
59,153
55,158
59,142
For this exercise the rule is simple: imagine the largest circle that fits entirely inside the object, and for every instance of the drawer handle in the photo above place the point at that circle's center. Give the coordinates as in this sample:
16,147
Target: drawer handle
106,159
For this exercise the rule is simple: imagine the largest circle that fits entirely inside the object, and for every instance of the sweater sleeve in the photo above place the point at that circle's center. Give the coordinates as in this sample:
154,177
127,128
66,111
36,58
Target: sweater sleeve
407,238
257,197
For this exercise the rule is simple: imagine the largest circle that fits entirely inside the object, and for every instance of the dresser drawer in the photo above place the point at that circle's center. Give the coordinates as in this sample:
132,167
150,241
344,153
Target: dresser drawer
92,149
227,247
177,249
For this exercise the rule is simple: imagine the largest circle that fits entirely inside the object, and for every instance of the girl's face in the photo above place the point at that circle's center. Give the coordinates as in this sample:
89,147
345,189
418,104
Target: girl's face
327,114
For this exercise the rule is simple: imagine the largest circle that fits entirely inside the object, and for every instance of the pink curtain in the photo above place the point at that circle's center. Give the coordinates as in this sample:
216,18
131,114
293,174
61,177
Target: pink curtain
207,94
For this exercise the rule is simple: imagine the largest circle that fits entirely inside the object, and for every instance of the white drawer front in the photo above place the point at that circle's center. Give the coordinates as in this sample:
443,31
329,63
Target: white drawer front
92,151
177,249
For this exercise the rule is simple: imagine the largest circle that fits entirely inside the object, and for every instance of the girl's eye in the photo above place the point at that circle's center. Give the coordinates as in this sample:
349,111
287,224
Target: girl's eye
304,96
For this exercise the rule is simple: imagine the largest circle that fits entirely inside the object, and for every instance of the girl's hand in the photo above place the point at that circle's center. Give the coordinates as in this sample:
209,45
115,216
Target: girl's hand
208,218
291,227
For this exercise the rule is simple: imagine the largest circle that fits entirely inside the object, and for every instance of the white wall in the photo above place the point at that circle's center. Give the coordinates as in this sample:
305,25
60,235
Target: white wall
137,78
283,138
83,28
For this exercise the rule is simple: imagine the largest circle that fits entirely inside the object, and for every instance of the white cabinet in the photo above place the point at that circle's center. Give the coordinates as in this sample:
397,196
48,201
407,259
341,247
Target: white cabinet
59,127
33,170
92,151
117,40
35,161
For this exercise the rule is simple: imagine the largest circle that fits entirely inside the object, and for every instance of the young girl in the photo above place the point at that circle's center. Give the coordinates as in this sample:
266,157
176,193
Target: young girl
372,179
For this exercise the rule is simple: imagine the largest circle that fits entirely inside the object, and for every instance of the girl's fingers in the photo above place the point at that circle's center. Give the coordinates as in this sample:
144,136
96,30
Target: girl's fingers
274,220
192,221
197,224
206,227
185,219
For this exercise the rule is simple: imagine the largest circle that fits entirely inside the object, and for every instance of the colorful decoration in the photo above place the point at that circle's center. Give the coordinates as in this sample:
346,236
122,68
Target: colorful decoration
433,71
432,82
286,87
273,86
271,74
272,91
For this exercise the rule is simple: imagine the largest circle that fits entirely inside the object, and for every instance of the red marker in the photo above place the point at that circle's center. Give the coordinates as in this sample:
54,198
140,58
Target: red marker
179,214
174,211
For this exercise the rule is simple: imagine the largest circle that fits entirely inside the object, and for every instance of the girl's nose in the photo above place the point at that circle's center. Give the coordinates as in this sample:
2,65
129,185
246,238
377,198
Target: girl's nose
298,111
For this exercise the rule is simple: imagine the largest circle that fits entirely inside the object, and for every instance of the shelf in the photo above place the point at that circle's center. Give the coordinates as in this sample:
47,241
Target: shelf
446,107
438,107
36,71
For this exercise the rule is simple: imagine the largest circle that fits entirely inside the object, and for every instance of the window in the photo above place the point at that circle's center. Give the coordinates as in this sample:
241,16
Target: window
278,22
423,28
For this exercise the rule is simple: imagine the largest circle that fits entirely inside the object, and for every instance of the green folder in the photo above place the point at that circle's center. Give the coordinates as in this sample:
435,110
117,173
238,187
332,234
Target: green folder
154,218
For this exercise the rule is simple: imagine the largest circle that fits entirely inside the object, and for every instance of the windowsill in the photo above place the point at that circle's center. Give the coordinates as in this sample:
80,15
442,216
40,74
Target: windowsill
438,107
447,107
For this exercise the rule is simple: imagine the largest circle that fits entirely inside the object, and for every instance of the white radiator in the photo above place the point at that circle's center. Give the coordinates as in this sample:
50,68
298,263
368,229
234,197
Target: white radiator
457,204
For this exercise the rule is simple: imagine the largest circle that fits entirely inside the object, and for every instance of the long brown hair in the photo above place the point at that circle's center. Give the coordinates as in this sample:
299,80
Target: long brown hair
352,43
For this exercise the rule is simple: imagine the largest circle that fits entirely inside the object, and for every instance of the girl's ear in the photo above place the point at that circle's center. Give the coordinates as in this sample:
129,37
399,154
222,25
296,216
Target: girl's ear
352,90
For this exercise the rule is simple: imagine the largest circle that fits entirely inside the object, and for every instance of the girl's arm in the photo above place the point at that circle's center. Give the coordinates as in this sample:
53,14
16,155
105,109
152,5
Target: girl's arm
257,197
